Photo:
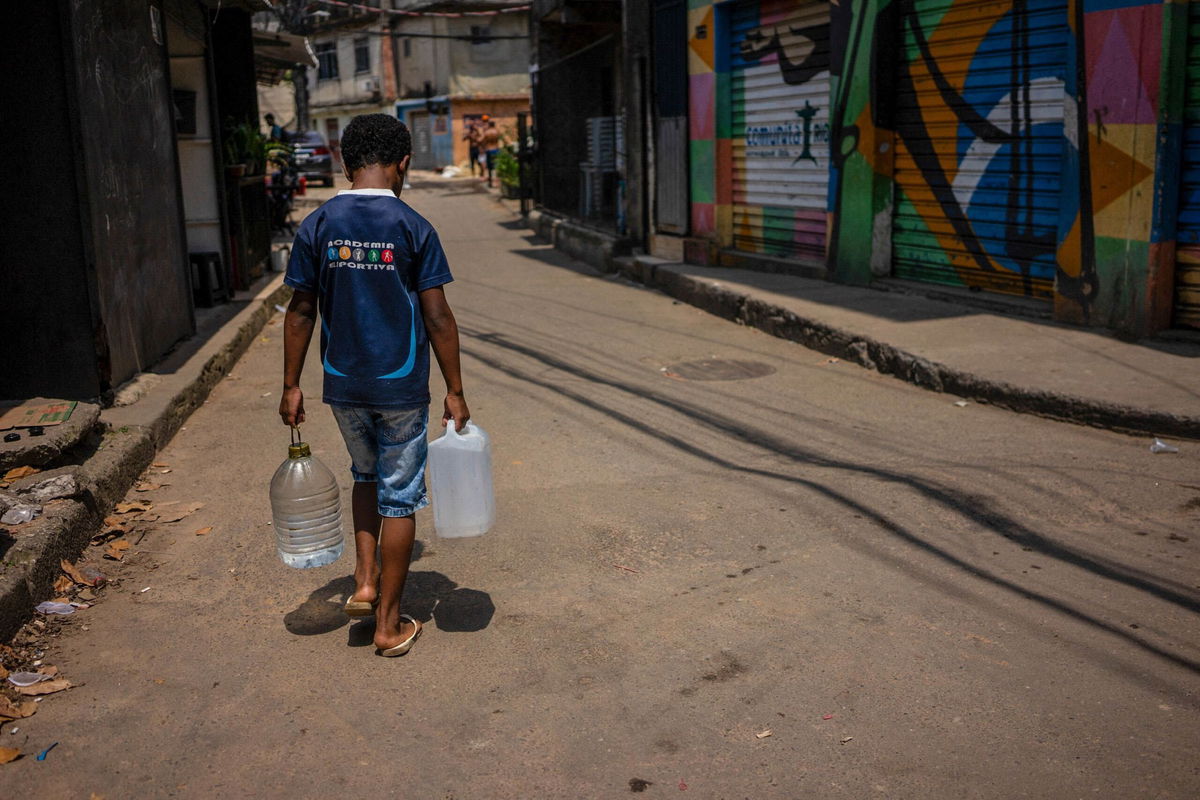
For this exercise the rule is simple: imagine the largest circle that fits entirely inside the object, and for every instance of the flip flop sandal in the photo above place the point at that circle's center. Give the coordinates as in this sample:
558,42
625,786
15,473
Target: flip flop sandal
406,645
360,608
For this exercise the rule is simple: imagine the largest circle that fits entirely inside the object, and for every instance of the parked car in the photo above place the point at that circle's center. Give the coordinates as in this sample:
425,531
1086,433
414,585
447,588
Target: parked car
313,159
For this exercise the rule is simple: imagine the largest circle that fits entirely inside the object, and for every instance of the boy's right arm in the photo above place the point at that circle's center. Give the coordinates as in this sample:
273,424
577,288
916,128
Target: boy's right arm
298,326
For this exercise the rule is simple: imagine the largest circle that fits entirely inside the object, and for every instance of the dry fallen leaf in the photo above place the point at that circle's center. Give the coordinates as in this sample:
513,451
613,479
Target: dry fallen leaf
164,471
176,514
45,687
48,669
8,754
764,734
11,710
65,600
159,464
116,550
3,672
16,473
148,486
74,573
133,505
204,531
114,524
63,584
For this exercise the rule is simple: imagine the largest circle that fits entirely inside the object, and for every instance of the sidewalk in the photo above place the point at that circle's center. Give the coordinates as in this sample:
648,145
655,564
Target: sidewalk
1081,375
150,410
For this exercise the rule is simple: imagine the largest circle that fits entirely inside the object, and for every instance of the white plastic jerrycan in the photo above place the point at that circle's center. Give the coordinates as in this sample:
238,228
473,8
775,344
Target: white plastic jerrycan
460,477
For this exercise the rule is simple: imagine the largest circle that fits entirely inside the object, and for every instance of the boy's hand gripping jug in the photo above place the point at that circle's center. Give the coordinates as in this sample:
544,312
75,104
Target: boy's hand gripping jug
307,508
460,474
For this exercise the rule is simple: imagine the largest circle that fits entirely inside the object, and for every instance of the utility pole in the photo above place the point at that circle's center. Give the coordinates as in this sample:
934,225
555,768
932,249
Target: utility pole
300,85
294,18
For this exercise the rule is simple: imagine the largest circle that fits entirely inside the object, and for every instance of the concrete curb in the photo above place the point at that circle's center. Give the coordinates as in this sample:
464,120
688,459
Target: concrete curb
592,247
133,436
890,360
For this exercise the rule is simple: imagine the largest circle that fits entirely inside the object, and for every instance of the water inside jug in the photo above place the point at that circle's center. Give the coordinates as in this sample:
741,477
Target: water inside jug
307,509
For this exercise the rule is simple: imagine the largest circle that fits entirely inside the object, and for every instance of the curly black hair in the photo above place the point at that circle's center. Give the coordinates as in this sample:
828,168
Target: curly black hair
374,139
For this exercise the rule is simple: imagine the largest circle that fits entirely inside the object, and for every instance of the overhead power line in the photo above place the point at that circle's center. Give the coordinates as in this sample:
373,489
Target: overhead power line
462,37
398,12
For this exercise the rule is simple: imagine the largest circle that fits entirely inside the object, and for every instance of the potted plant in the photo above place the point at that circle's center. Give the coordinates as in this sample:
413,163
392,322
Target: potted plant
248,151
508,170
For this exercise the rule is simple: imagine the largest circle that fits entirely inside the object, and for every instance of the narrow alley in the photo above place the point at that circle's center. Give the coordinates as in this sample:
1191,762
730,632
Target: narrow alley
725,565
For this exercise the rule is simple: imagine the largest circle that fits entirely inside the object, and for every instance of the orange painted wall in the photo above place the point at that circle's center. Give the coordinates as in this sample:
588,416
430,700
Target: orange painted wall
503,110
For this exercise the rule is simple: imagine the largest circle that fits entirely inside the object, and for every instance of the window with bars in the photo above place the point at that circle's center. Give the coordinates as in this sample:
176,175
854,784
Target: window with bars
327,60
362,56
483,46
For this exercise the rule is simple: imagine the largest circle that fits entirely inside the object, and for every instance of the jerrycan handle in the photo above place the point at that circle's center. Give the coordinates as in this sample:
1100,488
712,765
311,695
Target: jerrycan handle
452,430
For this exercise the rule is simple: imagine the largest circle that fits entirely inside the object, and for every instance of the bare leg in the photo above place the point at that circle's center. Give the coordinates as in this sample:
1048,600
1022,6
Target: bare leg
366,540
396,544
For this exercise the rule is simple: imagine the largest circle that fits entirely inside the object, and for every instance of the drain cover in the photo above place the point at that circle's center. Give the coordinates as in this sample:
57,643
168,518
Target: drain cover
716,369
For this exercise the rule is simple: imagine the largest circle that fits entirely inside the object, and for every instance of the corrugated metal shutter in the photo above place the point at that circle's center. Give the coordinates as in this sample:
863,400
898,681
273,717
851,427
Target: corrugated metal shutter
1187,254
671,179
670,116
779,84
422,139
979,122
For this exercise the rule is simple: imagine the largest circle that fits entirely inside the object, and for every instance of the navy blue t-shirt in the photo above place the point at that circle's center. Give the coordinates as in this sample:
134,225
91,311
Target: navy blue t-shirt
367,254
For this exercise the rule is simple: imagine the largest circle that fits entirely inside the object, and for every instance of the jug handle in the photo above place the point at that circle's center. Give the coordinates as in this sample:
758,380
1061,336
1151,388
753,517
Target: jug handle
296,438
451,429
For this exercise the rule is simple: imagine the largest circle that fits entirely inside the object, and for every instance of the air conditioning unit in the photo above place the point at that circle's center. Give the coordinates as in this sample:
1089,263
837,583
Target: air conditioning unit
369,85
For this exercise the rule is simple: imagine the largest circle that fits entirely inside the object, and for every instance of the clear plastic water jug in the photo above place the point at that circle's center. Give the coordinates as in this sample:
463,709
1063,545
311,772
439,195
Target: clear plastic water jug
460,476
307,508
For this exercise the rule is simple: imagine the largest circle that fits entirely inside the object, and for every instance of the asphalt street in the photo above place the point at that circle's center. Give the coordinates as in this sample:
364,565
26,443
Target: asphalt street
802,580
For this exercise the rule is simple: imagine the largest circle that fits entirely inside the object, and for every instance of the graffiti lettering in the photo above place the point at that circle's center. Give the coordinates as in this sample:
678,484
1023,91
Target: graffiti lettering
803,135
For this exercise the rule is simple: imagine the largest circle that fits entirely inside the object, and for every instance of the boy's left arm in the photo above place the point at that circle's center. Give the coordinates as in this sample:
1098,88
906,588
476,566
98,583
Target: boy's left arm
443,336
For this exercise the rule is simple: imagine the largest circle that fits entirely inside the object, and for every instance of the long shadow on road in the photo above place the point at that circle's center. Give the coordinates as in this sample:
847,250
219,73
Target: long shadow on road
973,507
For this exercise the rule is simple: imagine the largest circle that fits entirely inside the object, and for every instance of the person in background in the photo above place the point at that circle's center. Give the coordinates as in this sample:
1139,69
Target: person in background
471,137
490,144
374,269
276,131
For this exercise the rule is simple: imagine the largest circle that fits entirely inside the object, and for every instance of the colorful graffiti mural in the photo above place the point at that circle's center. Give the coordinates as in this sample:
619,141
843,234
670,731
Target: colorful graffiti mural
759,91
1018,146
778,69
1008,146
979,143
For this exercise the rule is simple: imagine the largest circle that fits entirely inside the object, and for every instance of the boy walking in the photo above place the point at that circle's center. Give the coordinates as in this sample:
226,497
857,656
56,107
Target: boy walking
375,269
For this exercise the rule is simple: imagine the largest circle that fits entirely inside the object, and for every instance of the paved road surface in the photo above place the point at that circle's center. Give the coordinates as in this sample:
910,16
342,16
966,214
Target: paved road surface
985,605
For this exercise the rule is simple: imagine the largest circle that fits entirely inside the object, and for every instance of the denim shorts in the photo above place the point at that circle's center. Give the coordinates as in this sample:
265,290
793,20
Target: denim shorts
387,446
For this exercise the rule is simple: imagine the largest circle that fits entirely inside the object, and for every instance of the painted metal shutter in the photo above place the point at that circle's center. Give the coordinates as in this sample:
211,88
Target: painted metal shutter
979,123
1187,253
779,87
